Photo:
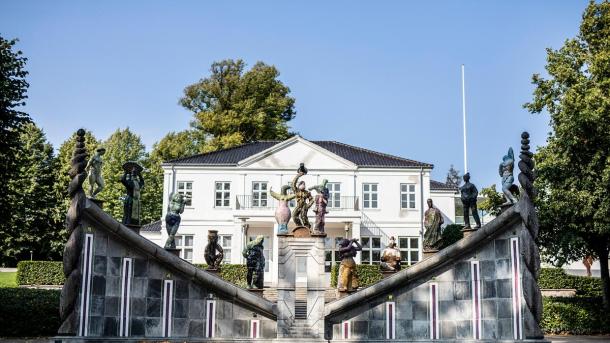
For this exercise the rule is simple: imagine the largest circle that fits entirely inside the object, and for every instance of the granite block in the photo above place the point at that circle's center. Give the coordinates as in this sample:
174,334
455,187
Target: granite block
153,307
138,307
503,288
489,329
181,308
463,329
488,270
196,309
377,311
488,289
224,310
360,329
503,269
113,266
505,329
463,309
462,290
116,248
180,327
96,326
462,271
505,308
224,328
137,326
448,330
377,329
420,310
421,292
195,328
197,292
98,285
501,246
138,287
487,252
153,327
99,265
113,286
182,289
97,306
445,291
421,329
489,309
111,327
241,328
404,310
268,328
111,306
140,267
403,329
155,271
154,288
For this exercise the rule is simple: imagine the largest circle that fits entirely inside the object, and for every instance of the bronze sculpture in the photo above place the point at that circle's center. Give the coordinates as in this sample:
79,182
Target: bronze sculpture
94,167
348,277
212,258
282,212
303,198
469,194
433,219
134,182
172,219
390,257
506,172
321,201
255,261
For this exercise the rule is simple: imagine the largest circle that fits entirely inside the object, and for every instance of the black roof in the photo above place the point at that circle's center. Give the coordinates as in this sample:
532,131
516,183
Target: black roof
437,185
359,156
152,227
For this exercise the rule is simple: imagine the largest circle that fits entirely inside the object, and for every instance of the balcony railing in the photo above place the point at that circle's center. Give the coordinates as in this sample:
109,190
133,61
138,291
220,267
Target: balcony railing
248,202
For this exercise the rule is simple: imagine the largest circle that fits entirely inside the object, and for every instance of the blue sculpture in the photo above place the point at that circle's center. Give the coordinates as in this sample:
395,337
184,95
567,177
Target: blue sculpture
506,172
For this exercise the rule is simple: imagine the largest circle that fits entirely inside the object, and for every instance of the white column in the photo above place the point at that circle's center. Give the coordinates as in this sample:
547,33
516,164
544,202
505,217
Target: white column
355,231
275,252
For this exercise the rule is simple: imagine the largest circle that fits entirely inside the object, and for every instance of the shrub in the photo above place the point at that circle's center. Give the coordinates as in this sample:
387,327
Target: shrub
40,273
577,316
367,274
29,312
233,273
451,234
555,278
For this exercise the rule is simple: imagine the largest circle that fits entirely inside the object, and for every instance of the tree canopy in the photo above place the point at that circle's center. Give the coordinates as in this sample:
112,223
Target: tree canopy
453,177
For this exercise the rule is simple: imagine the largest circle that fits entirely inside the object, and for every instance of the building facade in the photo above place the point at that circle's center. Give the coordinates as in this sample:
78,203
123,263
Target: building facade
373,196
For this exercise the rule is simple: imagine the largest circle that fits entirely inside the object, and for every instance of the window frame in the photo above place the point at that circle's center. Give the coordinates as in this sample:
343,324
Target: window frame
333,249
409,249
332,193
227,250
188,199
260,192
370,249
408,194
370,192
183,247
222,192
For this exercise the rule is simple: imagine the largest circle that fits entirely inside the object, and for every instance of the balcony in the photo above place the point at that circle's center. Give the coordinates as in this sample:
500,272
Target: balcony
247,202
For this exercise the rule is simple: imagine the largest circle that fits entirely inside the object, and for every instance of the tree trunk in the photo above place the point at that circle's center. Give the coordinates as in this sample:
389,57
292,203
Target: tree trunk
605,275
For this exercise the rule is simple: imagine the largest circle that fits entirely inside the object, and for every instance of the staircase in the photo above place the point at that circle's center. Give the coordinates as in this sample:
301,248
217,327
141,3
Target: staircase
369,224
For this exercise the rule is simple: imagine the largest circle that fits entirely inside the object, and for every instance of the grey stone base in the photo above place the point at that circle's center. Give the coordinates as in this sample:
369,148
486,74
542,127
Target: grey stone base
262,340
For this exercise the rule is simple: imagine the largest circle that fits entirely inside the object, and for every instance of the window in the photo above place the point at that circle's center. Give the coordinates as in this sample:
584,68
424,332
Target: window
225,243
369,195
331,252
266,251
186,189
184,243
223,194
407,196
334,194
371,250
409,250
259,194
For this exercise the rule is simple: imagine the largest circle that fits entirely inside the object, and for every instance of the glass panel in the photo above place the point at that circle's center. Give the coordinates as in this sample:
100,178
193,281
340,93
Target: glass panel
404,256
376,255
218,202
337,240
414,256
365,242
227,257
337,187
366,256
328,256
178,240
189,185
188,241
411,188
374,204
328,243
374,196
414,243
226,241
365,187
327,267
218,186
255,186
337,258
188,254
264,186
374,188
226,204
403,242
403,188
376,242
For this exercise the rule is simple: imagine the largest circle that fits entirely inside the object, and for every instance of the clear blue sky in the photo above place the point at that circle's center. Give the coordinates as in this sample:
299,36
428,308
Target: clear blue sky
384,75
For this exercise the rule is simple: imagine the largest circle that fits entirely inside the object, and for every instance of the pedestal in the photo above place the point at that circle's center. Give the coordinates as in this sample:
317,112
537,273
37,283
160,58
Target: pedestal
214,272
134,228
301,232
173,251
431,252
467,231
257,291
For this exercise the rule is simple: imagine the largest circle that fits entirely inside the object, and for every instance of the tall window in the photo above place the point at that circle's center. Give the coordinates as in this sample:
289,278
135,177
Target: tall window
369,195
225,243
266,251
334,195
331,252
184,243
223,194
407,195
409,250
371,250
186,189
259,194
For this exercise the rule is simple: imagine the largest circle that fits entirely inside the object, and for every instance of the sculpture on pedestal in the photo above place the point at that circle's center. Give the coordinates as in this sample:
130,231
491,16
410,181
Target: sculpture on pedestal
321,201
172,219
212,258
282,212
255,261
469,194
348,278
134,182
506,172
94,167
433,219
303,198
390,257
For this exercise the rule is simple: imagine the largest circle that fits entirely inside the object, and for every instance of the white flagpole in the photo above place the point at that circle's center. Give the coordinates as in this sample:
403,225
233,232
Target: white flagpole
464,121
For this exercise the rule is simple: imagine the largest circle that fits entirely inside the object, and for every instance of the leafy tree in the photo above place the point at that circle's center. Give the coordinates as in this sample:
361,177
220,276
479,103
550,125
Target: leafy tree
453,177
451,234
491,201
574,167
233,106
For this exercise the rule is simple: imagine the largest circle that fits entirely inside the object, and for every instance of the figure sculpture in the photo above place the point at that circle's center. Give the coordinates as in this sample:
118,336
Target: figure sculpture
469,194
321,201
390,257
172,219
348,278
134,182
94,167
282,212
506,172
303,198
433,219
212,258
255,261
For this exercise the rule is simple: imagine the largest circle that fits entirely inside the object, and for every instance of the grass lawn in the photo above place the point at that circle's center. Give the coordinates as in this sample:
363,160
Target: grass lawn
8,279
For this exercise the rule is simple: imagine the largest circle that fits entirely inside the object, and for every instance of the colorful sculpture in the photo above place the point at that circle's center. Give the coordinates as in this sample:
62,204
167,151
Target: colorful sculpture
172,219
321,201
469,194
303,198
506,172
282,212
348,278
212,258
94,167
390,257
433,219
134,182
255,261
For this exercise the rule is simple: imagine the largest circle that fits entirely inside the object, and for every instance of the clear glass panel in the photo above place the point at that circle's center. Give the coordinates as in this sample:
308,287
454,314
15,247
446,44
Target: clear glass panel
376,255
403,188
366,256
263,203
218,186
376,242
337,240
414,243
328,256
403,242
337,187
414,256
327,267
264,186
365,242
188,254
337,257
226,241
226,204
374,204
227,257
218,202
374,187
255,186
189,185
188,241
374,196
404,256
411,188
365,187
178,240
328,243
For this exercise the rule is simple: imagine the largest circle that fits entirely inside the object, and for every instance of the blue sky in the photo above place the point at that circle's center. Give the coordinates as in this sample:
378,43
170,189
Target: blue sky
384,75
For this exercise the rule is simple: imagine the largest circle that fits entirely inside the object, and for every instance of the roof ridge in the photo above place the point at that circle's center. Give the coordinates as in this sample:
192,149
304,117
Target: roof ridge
376,152
218,151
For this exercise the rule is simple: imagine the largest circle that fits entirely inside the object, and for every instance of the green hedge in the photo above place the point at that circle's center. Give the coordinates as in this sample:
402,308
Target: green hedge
234,273
28,312
577,316
40,273
555,278
451,234
368,274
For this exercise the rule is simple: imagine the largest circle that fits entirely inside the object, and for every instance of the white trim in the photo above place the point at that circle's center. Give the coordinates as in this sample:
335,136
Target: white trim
515,262
346,334
126,274
476,294
210,319
390,320
168,302
434,314
257,323
86,285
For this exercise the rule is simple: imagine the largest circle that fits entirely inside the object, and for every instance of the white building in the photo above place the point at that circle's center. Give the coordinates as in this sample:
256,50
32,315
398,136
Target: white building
372,196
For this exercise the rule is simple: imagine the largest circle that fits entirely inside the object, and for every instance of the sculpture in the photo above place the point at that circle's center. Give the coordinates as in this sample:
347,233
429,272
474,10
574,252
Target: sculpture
506,172
390,257
469,194
255,261
348,278
433,219
212,258
172,219
321,201
94,167
303,198
282,212
134,182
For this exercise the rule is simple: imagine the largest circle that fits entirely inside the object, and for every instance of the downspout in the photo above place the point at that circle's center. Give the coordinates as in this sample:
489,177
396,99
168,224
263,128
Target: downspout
421,211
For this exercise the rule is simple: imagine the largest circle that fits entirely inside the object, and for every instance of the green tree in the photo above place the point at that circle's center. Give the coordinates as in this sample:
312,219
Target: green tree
453,177
233,106
491,201
574,167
